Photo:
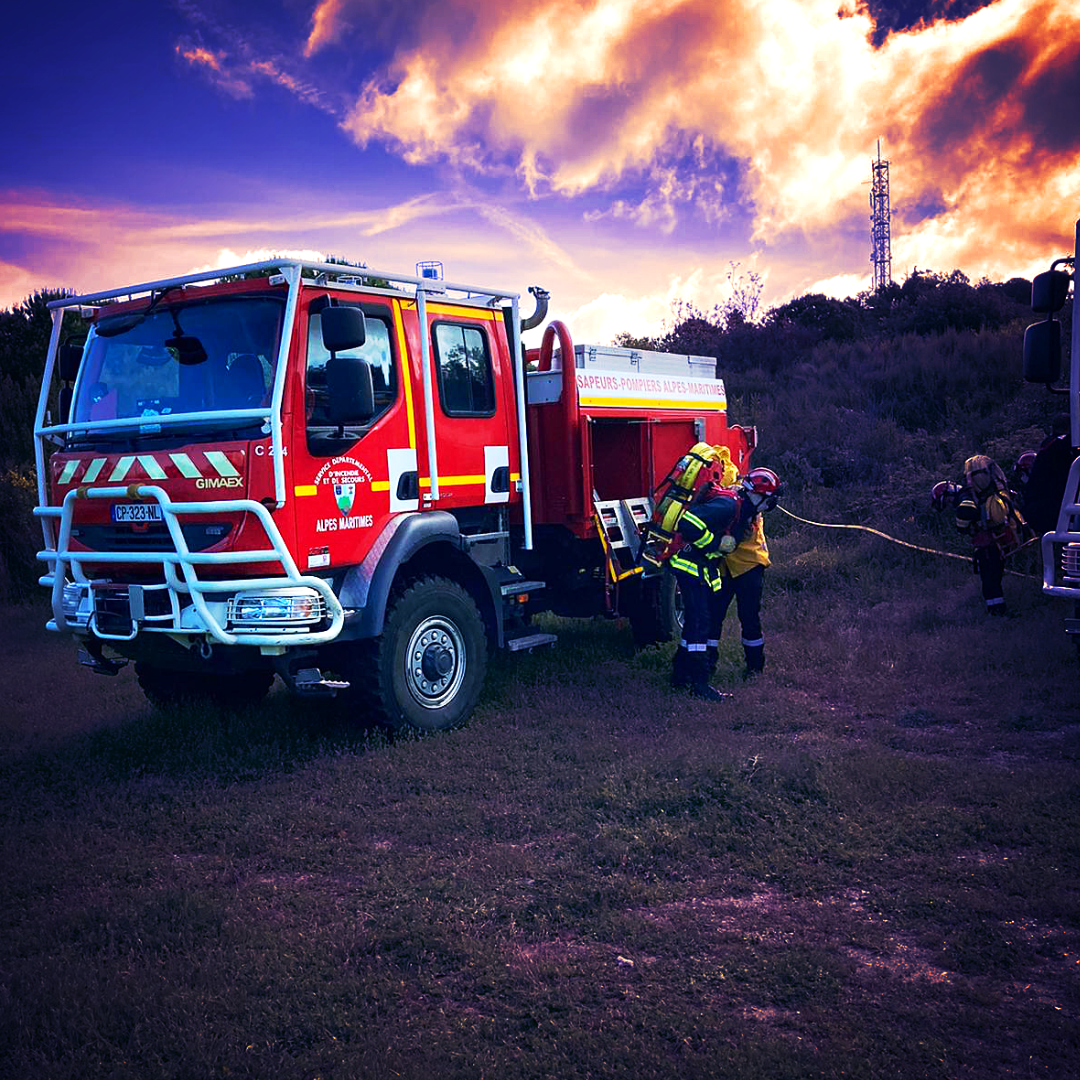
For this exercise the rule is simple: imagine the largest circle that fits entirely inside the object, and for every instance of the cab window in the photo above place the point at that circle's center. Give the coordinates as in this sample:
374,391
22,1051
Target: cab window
463,361
379,356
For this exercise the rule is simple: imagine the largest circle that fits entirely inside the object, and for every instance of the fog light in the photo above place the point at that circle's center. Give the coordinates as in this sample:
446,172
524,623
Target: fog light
1070,561
276,608
72,600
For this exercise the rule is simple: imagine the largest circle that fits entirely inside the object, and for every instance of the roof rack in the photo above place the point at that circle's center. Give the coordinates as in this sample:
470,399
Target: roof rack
315,273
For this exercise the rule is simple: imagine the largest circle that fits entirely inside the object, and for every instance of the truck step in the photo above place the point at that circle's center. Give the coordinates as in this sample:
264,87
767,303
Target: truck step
530,641
101,665
516,588
310,681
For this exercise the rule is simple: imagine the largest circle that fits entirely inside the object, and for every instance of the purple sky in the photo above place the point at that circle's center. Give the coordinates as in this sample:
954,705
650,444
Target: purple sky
622,153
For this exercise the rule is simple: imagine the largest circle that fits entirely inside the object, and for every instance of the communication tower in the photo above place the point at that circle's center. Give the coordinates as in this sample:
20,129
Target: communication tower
880,240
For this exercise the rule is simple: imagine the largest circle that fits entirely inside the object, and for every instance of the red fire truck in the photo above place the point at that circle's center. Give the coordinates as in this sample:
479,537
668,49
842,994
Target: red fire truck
348,479
1042,364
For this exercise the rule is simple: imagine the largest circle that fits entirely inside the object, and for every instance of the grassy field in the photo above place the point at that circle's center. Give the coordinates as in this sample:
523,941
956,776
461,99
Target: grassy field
863,865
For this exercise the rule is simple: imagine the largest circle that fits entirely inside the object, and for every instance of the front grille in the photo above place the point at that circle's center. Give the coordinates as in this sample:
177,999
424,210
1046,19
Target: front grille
152,537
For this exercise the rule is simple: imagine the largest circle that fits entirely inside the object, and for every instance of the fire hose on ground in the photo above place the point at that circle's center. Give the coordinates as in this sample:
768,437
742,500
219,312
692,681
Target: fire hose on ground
904,543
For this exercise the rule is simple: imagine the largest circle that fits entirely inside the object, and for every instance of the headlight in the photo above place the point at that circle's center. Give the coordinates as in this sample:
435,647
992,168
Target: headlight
276,608
1070,561
71,601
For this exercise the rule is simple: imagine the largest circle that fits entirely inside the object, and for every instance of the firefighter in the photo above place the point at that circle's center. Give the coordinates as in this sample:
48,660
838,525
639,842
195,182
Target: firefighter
984,511
742,573
724,558
706,529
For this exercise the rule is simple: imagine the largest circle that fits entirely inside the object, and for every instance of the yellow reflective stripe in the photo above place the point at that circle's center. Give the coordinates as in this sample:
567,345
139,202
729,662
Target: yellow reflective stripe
221,463
151,467
187,467
425,481
461,312
68,471
706,537
305,489
406,374
594,401
95,468
685,565
380,485
122,467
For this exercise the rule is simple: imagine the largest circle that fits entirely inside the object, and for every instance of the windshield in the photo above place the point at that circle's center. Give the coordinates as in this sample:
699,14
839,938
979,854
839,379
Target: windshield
212,357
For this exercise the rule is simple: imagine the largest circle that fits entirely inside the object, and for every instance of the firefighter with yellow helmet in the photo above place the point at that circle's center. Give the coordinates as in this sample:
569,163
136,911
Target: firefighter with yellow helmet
985,512
723,559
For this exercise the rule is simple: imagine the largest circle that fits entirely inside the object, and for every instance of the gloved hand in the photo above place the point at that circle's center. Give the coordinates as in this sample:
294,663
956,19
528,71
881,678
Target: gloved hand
727,544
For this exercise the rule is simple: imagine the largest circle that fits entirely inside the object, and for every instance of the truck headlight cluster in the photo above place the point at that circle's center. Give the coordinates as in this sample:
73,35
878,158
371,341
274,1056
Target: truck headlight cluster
72,601
1070,562
284,608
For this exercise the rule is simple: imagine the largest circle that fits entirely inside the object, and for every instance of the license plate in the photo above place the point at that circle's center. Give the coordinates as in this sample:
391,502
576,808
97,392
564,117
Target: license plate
137,513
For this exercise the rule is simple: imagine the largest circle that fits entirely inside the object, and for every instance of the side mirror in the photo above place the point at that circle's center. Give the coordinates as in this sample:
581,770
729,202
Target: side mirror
343,328
68,361
1042,351
350,389
1049,291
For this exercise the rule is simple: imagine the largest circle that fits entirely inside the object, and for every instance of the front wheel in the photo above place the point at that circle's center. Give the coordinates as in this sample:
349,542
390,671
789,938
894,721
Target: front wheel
429,664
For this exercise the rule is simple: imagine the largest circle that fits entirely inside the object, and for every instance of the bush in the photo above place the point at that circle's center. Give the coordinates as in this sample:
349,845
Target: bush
20,537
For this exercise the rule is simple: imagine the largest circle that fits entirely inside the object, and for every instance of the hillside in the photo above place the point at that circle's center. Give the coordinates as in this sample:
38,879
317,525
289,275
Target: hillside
861,404
861,865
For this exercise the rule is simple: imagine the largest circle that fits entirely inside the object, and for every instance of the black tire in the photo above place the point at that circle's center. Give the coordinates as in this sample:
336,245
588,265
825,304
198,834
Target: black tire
427,668
656,611
168,690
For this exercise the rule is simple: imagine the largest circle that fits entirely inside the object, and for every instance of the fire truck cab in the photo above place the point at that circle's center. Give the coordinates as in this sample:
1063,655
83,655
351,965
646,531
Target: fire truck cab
1042,364
348,479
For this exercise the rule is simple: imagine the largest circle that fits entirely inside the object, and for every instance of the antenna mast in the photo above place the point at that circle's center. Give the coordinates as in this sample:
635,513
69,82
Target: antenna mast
880,240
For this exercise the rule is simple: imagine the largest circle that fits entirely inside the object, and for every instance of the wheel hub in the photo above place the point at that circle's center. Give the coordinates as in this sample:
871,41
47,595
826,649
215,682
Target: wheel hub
435,662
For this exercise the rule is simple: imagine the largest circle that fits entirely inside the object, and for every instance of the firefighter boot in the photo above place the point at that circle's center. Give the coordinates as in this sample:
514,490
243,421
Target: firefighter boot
699,679
755,661
713,654
680,669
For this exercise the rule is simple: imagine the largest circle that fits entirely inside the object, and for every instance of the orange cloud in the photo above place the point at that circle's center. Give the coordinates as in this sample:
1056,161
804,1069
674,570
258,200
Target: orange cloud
326,25
200,56
576,96
214,66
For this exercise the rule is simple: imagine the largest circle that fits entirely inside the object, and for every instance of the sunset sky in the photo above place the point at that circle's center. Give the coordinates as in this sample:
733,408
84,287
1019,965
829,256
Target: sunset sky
621,153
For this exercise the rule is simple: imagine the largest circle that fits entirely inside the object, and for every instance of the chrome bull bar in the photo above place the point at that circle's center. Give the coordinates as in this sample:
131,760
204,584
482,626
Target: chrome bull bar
180,570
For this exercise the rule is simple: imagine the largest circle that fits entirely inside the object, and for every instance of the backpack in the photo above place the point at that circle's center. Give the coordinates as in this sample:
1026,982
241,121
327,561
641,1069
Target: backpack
702,464
1011,534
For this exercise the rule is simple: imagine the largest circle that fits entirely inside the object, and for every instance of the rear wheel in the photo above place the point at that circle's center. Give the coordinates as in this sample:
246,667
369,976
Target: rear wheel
167,690
656,612
427,669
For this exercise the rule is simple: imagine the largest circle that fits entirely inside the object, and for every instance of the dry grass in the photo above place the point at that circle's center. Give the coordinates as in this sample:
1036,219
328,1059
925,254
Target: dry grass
863,866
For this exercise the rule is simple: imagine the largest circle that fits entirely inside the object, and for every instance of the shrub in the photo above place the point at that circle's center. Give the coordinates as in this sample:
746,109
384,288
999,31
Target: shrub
20,537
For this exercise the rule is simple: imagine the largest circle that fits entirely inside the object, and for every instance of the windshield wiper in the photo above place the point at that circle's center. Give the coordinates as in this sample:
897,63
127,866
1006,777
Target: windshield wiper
121,324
